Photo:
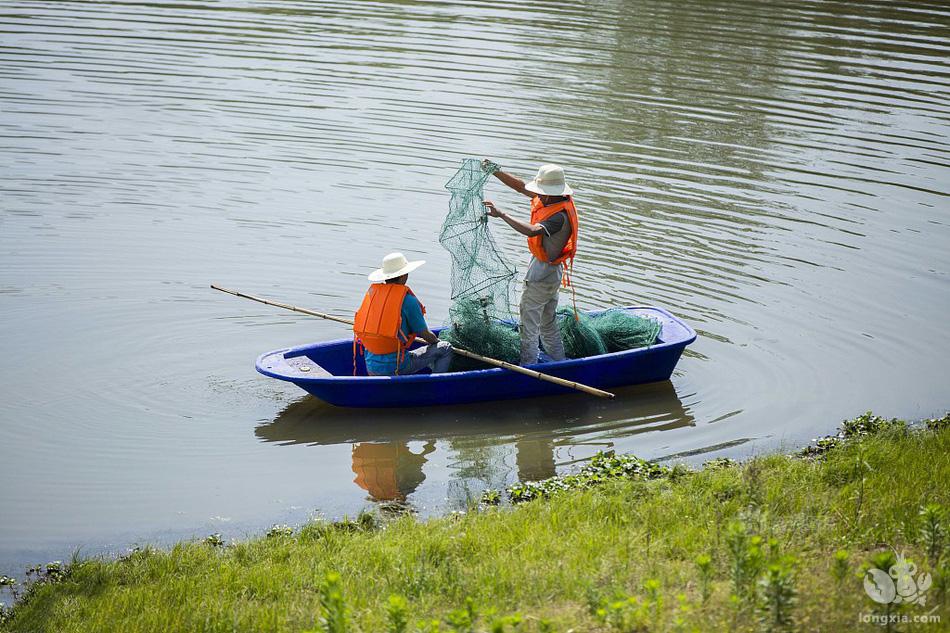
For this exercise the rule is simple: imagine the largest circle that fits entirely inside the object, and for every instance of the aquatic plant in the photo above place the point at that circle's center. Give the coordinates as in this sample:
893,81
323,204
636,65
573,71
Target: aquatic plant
938,424
603,467
490,497
278,530
49,573
864,425
720,463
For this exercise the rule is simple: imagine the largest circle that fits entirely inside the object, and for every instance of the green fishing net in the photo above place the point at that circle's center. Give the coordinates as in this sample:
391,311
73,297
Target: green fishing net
482,280
610,331
473,330
580,337
620,330
481,318
479,273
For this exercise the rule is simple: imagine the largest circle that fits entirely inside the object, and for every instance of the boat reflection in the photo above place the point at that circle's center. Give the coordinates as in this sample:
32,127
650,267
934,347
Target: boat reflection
637,409
485,445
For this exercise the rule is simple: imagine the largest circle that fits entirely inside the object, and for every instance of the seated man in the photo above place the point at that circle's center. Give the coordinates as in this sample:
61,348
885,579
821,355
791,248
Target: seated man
390,319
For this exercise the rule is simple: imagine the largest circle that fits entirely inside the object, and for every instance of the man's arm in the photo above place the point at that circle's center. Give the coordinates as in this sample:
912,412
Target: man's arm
416,321
512,181
525,228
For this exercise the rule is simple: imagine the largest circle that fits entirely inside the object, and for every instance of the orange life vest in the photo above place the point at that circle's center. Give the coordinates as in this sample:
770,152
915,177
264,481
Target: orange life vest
540,213
377,326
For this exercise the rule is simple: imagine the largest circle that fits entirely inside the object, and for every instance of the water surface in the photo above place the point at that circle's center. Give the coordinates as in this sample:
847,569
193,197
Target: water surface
774,173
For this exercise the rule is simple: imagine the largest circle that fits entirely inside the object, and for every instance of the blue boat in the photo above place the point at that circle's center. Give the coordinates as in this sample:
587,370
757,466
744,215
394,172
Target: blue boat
325,370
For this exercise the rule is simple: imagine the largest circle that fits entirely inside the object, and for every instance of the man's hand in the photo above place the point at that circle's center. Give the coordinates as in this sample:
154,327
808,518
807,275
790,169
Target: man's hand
491,209
526,229
489,167
429,337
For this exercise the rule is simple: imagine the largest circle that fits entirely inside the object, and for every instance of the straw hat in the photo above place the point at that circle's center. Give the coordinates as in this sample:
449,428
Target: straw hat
394,265
549,182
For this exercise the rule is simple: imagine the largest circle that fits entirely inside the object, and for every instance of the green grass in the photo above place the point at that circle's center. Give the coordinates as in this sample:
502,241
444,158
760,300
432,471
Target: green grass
776,543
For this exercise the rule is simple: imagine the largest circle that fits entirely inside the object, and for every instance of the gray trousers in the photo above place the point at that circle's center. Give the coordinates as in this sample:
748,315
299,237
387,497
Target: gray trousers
438,357
539,321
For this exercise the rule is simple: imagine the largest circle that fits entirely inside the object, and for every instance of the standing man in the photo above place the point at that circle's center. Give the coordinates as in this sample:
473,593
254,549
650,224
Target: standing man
389,320
552,241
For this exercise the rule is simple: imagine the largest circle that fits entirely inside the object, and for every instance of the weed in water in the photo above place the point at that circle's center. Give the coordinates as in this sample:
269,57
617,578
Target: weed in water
864,425
6,614
278,530
720,463
939,424
491,497
50,573
214,540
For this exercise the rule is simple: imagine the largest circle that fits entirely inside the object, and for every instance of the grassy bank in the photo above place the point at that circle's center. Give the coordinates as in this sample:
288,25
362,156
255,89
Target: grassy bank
776,543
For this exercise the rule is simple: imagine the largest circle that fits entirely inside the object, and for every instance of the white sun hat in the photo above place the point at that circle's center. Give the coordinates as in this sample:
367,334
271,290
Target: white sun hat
394,265
549,182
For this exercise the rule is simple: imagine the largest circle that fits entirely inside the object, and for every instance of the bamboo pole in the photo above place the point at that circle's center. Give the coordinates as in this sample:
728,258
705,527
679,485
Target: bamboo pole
462,352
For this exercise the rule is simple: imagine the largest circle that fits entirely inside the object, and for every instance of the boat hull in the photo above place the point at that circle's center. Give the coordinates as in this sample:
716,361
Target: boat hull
326,370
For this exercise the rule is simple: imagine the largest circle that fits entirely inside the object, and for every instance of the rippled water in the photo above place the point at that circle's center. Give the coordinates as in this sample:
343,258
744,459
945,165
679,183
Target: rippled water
774,173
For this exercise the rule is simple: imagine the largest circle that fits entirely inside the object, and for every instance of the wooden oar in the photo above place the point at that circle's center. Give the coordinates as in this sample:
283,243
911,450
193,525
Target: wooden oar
462,352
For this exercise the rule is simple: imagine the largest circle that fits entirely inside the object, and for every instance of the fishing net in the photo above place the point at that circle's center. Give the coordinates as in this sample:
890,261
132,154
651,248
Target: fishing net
610,331
620,330
480,275
580,337
473,331
481,318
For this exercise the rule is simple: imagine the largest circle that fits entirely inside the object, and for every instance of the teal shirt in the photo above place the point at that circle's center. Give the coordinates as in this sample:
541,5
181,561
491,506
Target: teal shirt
413,322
